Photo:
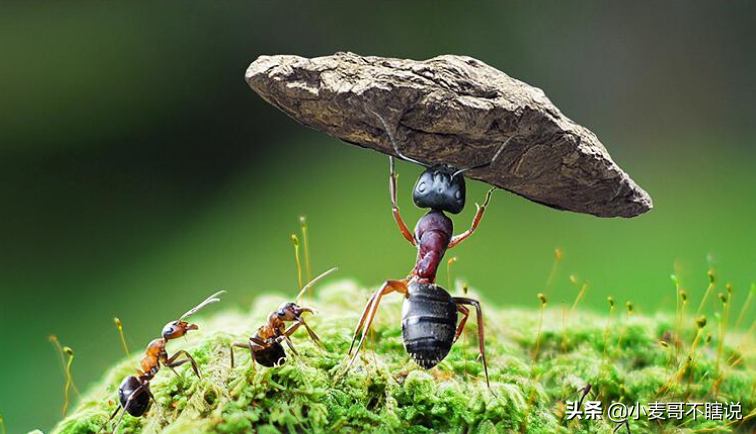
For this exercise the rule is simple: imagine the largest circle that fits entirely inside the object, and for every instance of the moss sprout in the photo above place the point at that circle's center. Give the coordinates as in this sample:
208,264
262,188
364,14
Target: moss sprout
640,358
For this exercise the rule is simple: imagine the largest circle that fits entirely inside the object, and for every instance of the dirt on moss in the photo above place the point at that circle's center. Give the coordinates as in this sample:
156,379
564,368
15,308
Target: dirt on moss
646,359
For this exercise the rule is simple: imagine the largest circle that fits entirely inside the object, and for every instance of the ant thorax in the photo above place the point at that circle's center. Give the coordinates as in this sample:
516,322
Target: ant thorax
433,233
149,362
271,328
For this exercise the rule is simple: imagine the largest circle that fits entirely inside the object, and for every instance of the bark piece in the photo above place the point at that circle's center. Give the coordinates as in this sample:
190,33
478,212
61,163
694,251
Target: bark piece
455,110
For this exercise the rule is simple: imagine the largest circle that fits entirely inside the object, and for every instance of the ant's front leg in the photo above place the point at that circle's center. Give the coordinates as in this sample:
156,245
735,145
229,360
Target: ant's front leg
172,362
300,322
476,221
395,208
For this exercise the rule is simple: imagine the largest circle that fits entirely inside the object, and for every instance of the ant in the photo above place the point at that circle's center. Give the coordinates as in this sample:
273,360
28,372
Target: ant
429,312
134,393
265,346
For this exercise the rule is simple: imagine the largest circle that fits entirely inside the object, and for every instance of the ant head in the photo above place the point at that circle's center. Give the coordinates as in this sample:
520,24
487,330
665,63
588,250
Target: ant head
291,311
440,187
176,329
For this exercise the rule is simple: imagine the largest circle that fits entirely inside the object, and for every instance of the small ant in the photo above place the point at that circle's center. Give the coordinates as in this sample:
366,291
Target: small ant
134,392
429,312
265,346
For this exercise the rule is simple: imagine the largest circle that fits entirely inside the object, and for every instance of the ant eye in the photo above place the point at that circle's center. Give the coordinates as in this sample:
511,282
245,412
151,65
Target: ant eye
421,187
458,195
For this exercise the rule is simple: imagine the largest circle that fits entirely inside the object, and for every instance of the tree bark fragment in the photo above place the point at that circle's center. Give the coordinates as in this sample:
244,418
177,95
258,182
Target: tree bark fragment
455,110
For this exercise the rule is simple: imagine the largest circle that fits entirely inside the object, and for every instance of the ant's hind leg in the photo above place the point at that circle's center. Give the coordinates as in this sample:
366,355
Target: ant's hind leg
481,336
465,315
245,346
250,345
112,416
362,321
387,288
120,419
159,410
128,401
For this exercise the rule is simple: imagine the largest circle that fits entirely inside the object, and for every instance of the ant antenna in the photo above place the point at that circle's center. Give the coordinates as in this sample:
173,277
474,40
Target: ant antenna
393,141
312,282
209,300
119,325
303,225
56,343
295,240
493,160
69,378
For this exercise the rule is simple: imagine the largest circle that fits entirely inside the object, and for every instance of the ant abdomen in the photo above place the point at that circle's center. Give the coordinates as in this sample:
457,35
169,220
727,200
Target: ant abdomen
271,356
134,397
429,322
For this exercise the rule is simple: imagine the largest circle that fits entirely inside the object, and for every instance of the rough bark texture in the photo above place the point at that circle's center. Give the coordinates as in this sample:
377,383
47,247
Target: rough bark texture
455,110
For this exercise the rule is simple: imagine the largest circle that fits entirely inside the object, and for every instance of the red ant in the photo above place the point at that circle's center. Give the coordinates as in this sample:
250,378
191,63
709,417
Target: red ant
429,312
134,393
265,346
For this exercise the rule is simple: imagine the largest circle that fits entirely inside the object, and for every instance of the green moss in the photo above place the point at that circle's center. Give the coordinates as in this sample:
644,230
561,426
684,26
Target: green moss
387,393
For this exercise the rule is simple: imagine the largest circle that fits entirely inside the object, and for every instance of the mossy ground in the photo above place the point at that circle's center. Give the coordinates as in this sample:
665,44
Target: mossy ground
388,393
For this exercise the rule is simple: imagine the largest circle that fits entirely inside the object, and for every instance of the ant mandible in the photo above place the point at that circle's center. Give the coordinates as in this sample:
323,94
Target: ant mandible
265,346
134,393
429,312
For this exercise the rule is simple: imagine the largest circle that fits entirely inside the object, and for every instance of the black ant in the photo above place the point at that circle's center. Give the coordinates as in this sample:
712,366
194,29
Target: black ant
265,346
429,313
134,393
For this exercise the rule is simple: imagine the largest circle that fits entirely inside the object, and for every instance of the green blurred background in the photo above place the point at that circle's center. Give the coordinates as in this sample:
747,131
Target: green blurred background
138,172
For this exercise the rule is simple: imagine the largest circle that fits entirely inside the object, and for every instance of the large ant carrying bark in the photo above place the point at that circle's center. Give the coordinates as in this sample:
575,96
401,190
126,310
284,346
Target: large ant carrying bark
134,393
429,312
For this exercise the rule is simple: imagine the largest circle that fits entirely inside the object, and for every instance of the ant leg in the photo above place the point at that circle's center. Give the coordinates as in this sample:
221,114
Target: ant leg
465,315
481,336
128,401
245,346
300,322
120,419
387,288
250,345
476,221
362,321
172,361
160,412
395,208
585,391
118,408
289,344
313,336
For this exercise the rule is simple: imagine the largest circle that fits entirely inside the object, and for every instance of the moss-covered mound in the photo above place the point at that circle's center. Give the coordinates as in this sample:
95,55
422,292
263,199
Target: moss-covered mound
646,359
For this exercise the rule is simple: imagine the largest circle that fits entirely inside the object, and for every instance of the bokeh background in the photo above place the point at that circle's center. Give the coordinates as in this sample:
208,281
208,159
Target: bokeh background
138,172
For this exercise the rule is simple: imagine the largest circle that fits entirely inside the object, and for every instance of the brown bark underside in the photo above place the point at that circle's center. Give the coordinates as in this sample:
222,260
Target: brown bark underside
455,110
